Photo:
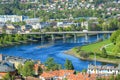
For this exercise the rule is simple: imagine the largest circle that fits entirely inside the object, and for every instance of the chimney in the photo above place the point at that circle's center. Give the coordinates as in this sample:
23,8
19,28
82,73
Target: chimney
1,57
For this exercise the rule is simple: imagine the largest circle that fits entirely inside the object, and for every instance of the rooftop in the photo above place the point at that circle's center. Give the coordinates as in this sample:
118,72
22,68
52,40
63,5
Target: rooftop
104,67
6,66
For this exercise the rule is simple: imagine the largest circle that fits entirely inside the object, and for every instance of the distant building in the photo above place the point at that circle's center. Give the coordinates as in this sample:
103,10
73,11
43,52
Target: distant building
84,24
10,29
1,57
32,20
36,26
44,24
16,61
6,67
66,74
55,75
66,24
107,70
29,1
12,18
2,25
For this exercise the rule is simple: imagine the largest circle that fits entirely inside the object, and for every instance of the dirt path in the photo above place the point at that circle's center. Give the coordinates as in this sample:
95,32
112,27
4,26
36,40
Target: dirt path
105,46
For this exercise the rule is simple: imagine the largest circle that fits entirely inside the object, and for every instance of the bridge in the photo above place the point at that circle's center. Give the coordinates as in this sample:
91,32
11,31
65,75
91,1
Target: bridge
74,33
71,32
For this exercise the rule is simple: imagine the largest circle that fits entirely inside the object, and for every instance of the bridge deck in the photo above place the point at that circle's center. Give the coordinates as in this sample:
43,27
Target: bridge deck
68,32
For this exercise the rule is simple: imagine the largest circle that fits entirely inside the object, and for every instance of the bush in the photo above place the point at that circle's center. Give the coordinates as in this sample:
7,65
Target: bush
84,54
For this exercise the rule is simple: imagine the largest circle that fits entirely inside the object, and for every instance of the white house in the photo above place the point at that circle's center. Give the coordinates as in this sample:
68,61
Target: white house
32,20
36,26
103,69
12,18
84,24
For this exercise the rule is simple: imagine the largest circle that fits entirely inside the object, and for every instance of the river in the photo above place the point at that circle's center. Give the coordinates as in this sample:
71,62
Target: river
42,51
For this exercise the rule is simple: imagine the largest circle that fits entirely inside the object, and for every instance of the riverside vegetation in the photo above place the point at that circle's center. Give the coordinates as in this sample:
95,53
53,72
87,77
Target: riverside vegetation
105,51
14,39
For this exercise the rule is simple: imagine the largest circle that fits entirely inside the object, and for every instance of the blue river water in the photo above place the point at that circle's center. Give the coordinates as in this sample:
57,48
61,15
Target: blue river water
42,51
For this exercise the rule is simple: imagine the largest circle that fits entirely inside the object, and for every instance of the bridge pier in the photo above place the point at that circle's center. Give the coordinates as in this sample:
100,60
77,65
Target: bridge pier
75,37
98,37
64,37
109,35
42,37
53,37
86,37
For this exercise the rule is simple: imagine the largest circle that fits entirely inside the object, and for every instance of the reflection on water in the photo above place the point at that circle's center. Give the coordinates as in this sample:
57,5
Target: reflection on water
45,45
43,50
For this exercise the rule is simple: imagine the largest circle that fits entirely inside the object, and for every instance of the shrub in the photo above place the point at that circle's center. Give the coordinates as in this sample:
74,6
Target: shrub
84,54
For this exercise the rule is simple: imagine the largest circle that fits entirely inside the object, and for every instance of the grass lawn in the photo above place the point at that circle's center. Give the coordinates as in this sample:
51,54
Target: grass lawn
95,47
109,49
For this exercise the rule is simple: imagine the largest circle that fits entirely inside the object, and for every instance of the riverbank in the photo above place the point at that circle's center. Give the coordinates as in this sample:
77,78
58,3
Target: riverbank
11,39
87,53
17,43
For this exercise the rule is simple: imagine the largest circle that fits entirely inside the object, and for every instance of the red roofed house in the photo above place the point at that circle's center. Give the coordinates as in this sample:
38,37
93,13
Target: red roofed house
58,74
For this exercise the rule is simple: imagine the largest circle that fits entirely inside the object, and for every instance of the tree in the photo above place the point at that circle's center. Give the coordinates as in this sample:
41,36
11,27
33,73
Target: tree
28,69
116,49
40,70
68,65
114,36
118,77
104,53
118,39
19,69
51,65
8,77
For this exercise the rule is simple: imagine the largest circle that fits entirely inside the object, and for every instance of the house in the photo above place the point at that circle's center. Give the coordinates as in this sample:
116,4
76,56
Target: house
36,25
15,60
18,29
66,24
37,65
12,18
45,24
1,57
56,75
26,28
6,67
81,76
84,24
66,74
107,70
31,78
32,20
10,29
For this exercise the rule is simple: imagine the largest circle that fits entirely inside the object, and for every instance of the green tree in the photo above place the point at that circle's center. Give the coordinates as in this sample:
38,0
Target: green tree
118,39
104,53
118,77
68,65
19,68
51,65
10,39
116,49
27,69
8,77
40,70
114,36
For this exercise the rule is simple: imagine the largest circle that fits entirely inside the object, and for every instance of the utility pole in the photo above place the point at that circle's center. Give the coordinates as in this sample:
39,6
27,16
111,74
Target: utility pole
34,13
95,63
